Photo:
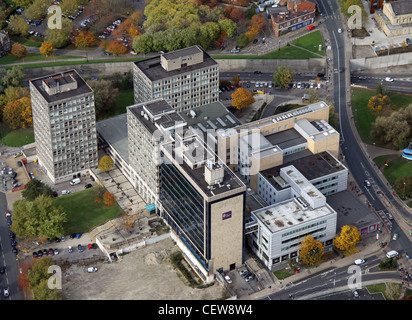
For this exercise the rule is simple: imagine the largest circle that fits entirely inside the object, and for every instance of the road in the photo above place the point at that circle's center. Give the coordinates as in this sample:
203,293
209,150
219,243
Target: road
7,257
401,83
332,279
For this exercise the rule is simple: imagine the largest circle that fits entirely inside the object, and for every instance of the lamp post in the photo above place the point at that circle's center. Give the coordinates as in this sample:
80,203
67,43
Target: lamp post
404,188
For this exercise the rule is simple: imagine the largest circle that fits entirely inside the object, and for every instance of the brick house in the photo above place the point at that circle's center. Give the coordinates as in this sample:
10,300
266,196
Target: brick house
283,23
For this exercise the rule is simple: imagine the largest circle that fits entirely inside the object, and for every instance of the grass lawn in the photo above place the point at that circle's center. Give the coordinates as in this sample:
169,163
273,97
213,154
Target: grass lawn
18,138
392,293
26,42
34,57
311,42
125,99
397,168
83,213
71,63
364,117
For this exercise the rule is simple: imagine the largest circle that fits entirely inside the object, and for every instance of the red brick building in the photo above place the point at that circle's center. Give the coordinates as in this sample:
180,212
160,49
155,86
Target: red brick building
283,23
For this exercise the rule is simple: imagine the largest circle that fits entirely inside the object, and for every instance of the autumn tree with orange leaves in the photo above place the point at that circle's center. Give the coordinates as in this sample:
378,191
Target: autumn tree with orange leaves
84,39
18,114
108,199
46,48
115,47
18,50
242,98
311,251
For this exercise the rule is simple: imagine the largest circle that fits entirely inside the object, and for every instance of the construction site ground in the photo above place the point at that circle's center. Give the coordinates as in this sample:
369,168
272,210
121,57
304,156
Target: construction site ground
143,274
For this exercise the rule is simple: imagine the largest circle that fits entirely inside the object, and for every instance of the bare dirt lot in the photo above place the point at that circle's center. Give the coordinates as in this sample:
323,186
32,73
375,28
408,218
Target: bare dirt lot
143,274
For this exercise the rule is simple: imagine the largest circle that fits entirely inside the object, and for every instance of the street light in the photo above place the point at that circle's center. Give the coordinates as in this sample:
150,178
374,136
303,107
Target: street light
404,188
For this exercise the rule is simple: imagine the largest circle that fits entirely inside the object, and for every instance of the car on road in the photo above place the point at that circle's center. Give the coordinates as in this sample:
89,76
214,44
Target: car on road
339,30
367,183
6,292
227,278
389,79
389,216
311,27
362,77
14,250
258,72
359,261
395,236
2,269
355,294
234,50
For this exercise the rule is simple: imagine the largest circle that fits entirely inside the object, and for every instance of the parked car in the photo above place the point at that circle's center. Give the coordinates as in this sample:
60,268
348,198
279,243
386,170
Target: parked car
80,248
19,164
2,269
227,278
87,186
242,272
56,251
40,253
73,235
355,294
408,41
70,249
8,214
79,235
92,269
339,30
35,254
247,279
65,192
51,252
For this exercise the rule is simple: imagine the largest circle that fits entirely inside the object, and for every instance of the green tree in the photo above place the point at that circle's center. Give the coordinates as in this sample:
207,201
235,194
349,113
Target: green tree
37,9
242,40
143,43
283,76
38,277
18,26
105,95
38,218
35,188
229,26
13,77
60,37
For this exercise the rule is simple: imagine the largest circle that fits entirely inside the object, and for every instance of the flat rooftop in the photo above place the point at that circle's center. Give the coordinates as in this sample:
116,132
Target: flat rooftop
159,115
290,213
154,71
197,175
114,132
82,86
211,116
311,166
286,139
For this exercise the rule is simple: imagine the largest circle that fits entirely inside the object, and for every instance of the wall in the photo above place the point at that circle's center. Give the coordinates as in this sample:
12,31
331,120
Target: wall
381,62
225,65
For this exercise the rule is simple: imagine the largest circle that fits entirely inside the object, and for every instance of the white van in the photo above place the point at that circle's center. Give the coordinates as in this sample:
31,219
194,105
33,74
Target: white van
75,181
65,192
392,254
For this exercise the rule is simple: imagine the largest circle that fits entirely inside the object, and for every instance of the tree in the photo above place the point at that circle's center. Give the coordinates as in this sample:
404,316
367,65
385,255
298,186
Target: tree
17,114
69,7
283,76
38,277
242,40
379,103
18,50
348,238
403,187
257,23
40,218
12,94
105,95
37,9
108,199
229,26
242,98
237,15
46,48
310,251
35,188
18,26
105,163
116,48
60,37
143,43
84,39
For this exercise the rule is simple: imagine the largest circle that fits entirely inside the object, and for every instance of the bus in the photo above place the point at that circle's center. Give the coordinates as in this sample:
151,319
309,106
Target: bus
407,152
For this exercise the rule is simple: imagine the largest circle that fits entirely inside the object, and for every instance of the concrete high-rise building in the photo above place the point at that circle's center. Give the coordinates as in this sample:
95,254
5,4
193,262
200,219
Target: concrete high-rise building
64,124
186,78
